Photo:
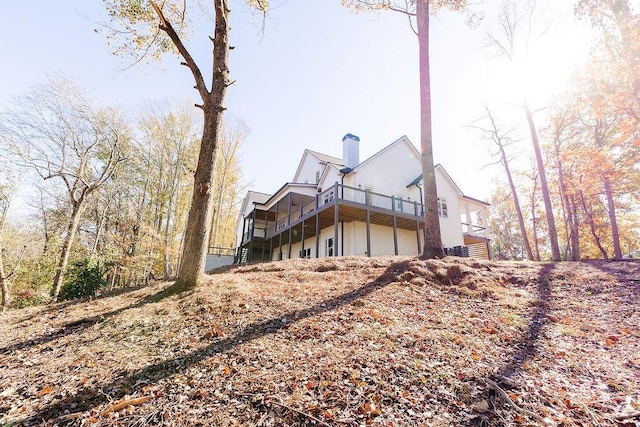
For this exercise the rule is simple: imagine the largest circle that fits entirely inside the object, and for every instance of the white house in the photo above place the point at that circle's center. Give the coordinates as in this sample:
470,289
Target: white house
335,207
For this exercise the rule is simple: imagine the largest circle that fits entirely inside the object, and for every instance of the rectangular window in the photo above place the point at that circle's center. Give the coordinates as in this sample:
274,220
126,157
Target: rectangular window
328,247
317,177
442,208
328,198
306,253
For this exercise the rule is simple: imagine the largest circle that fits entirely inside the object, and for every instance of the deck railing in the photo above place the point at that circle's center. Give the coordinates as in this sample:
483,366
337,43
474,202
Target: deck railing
341,192
476,230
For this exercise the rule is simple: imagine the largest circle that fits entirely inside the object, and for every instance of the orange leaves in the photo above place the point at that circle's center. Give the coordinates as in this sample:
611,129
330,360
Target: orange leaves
125,403
369,409
213,332
611,340
46,390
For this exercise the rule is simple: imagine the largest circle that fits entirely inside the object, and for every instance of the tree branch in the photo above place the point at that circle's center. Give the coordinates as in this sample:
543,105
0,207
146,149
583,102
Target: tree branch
195,70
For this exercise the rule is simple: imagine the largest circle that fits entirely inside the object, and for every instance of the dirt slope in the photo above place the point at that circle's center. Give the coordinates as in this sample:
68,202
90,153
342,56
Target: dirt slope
339,342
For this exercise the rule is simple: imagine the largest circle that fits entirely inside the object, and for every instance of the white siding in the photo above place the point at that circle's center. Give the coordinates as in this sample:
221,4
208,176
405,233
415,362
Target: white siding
332,176
450,228
309,167
389,172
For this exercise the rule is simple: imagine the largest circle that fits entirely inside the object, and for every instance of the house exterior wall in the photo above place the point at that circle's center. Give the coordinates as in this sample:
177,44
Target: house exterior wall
389,172
382,240
332,175
310,243
306,173
355,242
450,228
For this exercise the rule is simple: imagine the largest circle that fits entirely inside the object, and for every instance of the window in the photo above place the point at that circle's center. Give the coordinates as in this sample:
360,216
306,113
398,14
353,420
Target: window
328,247
328,198
305,253
317,177
442,208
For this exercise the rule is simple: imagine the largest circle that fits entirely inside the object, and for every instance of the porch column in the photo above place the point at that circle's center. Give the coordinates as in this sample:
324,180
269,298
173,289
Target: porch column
415,212
317,227
467,218
253,229
271,248
302,237
266,225
335,219
395,234
368,234
244,226
289,225
485,223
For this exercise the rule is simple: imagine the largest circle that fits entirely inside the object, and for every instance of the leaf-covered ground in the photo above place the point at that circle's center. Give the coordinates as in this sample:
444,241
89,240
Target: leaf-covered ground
338,342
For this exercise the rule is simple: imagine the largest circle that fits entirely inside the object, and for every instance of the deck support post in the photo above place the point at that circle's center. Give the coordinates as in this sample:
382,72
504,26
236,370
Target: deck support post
395,234
253,229
335,219
289,225
415,212
302,241
317,227
368,233
266,226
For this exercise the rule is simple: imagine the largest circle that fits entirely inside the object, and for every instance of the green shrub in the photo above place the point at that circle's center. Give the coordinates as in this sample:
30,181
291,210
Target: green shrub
83,279
28,298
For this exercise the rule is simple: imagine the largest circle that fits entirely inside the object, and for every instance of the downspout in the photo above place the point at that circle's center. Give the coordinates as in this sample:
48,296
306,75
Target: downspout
421,201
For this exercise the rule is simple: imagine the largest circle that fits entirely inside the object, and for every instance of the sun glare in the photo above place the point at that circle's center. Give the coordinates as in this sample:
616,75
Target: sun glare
545,70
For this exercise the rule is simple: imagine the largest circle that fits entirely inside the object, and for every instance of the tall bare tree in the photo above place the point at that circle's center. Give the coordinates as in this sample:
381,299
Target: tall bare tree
170,18
501,139
235,133
418,12
516,29
57,133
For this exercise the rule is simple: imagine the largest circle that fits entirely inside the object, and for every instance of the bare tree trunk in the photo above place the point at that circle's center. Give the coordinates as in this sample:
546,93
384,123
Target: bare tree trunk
516,202
575,234
615,235
571,221
534,221
551,224
4,283
199,219
99,228
592,226
66,248
599,132
432,239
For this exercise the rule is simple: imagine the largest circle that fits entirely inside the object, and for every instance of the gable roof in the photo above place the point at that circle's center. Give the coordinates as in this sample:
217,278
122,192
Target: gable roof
253,197
444,173
322,158
327,158
451,181
403,139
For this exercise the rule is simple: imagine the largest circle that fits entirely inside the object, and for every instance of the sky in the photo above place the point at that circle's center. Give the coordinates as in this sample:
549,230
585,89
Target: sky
315,73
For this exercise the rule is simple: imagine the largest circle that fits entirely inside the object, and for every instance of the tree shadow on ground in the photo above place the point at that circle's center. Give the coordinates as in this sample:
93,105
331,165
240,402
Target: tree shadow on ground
78,326
526,348
126,382
57,306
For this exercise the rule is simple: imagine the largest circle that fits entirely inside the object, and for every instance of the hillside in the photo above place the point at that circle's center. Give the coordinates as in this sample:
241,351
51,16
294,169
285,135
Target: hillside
337,342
